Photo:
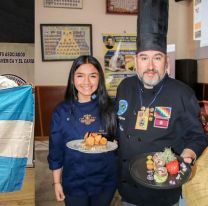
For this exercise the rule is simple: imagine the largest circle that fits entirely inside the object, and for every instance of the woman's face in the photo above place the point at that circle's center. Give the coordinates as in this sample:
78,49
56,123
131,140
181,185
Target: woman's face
86,79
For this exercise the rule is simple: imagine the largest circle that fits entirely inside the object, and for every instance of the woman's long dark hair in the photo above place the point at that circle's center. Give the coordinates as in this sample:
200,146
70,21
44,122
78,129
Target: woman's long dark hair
106,106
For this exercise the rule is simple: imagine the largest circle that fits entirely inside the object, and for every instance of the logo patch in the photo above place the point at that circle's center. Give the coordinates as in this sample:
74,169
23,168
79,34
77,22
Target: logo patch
161,123
87,119
123,105
162,112
162,116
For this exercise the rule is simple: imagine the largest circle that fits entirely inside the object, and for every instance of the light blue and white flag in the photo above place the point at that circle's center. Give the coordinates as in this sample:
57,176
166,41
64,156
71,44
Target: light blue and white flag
16,123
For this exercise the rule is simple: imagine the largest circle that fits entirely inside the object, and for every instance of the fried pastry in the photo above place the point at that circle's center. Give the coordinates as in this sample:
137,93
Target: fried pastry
93,141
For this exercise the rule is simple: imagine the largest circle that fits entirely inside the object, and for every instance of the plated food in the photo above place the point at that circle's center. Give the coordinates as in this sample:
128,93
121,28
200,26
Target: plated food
92,143
161,170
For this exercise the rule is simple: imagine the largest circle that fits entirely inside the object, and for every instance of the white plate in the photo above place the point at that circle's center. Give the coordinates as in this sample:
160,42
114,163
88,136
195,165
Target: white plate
75,145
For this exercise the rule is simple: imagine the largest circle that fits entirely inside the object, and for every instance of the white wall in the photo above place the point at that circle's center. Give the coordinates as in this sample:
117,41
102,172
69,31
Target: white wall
94,12
180,29
20,65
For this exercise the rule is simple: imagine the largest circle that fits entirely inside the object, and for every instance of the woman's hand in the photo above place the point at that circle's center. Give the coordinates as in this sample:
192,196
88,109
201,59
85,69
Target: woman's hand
59,192
115,141
57,184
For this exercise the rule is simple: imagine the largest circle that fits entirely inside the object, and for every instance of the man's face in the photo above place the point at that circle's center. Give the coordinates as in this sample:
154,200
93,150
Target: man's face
110,41
151,67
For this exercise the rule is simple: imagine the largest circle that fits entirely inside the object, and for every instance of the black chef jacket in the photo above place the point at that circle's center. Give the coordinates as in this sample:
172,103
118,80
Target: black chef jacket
175,123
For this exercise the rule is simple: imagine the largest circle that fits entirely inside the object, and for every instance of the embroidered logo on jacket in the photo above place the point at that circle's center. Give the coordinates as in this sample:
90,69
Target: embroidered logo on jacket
162,116
87,119
123,105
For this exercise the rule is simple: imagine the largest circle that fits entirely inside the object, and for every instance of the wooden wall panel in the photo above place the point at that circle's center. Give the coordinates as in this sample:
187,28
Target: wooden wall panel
37,118
46,98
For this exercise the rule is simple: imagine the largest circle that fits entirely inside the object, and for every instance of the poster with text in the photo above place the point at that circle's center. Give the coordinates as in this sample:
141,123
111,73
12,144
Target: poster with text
17,59
119,59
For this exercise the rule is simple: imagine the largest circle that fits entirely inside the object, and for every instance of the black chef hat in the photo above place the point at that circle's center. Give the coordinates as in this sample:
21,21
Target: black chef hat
152,25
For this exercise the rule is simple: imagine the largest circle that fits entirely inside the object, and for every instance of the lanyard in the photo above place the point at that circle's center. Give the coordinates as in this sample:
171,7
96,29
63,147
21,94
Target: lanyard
153,100
145,114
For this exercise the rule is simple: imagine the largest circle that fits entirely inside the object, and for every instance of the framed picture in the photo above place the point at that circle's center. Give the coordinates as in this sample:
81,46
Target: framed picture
129,7
73,4
65,42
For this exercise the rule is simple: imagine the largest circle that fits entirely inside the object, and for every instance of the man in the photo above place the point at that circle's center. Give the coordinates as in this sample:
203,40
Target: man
109,42
155,111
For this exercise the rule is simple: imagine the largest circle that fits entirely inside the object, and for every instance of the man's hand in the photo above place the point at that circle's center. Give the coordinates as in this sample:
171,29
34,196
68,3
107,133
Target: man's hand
188,156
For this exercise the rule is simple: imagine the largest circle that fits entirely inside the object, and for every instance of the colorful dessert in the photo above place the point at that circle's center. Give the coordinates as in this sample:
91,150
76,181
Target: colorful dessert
160,174
150,163
163,164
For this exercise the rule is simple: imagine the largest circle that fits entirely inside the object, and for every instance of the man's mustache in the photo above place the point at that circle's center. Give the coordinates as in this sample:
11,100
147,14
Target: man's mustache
151,70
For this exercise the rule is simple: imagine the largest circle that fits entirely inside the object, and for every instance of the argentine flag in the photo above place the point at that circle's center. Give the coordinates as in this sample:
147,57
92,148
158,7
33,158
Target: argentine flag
16,124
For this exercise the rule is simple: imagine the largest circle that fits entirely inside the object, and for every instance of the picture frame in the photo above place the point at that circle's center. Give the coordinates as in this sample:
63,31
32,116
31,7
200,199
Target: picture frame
127,7
65,42
72,4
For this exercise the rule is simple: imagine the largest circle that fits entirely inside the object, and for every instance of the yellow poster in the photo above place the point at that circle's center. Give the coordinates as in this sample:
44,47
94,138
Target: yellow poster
119,59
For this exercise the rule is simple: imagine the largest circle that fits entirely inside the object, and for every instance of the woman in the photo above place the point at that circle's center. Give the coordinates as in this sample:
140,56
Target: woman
87,179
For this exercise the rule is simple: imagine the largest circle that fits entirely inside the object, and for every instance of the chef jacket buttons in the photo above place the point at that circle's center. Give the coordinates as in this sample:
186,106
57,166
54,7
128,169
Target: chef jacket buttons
139,139
128,136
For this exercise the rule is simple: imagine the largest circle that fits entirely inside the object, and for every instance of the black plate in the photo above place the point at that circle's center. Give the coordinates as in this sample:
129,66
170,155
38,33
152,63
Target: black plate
138,171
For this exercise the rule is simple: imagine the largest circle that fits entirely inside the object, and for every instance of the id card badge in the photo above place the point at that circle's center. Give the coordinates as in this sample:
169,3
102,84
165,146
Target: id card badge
142,120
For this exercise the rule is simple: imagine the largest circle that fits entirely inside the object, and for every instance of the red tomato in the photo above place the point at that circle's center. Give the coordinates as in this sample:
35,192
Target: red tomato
172,167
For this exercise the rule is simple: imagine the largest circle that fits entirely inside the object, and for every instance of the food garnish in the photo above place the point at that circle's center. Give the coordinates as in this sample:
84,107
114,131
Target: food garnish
165,156
183,167
149,157
150,177
173,167
172,182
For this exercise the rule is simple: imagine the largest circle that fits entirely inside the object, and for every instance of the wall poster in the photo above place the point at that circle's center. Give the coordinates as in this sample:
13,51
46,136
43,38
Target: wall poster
62,42
122,7
119,59
72,4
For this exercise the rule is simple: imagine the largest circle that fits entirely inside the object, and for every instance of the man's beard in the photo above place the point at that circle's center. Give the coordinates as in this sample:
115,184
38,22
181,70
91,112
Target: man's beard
151,82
